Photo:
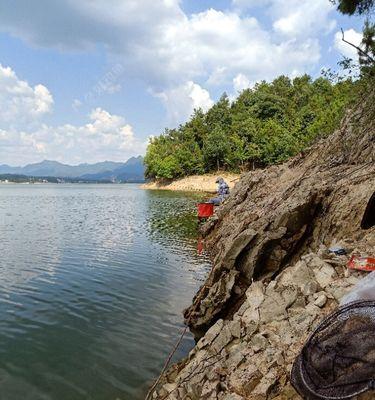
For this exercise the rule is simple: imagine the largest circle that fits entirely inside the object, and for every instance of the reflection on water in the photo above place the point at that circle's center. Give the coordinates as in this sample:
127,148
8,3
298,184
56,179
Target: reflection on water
93,280
170,215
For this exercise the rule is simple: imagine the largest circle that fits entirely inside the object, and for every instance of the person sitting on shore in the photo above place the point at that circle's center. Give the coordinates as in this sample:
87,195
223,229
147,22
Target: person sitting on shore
222,192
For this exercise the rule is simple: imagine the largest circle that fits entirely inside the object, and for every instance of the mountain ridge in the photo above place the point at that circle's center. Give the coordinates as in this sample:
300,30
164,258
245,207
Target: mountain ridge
131,170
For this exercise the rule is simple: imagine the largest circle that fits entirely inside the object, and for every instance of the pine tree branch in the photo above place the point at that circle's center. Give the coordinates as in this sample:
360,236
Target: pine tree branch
357,47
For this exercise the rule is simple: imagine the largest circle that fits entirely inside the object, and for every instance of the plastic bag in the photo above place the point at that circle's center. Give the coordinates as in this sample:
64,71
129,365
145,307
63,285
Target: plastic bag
363,290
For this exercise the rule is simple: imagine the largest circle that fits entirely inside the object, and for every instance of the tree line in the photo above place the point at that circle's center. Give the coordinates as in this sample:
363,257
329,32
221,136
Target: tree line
268,123
264,125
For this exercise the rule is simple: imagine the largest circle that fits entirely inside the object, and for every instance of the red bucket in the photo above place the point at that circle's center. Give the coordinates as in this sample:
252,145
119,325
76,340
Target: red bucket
205,210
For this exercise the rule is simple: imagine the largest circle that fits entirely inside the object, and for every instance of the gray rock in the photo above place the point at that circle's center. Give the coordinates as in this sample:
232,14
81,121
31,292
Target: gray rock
309,288
258,342
235,328
324,273
321,300
211,334
244,379
224,337
233,396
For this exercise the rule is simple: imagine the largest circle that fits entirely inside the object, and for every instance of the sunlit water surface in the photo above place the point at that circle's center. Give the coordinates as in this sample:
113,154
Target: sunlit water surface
93,280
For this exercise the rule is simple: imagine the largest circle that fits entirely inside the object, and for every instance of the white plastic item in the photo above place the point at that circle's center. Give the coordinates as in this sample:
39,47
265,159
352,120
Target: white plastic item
363,290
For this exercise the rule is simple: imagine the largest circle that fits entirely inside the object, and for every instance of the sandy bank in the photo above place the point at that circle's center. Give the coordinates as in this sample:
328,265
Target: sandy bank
195,183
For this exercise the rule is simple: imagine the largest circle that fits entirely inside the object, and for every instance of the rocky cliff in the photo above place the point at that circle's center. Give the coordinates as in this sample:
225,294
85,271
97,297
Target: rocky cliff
273,278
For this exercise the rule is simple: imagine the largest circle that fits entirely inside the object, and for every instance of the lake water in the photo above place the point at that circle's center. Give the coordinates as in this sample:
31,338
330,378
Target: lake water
93,281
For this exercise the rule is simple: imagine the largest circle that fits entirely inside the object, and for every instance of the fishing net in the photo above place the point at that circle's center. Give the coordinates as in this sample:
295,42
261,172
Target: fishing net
338,360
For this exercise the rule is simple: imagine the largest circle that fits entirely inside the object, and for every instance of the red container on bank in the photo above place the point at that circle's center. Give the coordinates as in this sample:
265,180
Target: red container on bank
205,210
362,263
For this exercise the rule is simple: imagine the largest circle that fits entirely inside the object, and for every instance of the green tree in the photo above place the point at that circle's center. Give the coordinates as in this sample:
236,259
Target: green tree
367,57
366,50
219,114
275,143
352,7
169,168
264,125
216,149
237,155
196,128
190,158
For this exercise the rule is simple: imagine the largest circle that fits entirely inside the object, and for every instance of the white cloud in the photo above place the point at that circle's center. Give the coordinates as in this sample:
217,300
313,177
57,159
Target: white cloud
241,82
181,101
351,36
297,18
217,46
110,22
105,137
302,18
157,42
21,103
25,138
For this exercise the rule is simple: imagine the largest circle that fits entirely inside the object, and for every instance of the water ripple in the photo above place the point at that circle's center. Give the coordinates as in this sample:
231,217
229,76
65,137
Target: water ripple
93,281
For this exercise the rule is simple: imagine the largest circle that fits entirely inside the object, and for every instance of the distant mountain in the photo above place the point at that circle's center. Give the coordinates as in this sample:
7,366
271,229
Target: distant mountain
130,171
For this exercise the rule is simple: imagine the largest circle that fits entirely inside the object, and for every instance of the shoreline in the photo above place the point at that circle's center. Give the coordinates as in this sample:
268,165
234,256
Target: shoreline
195,183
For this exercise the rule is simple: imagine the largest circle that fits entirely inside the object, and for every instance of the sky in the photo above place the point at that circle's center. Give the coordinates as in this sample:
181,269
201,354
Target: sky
93,80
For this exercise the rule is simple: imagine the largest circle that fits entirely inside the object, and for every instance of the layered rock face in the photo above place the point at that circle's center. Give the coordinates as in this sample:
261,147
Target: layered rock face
275,215
273,279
